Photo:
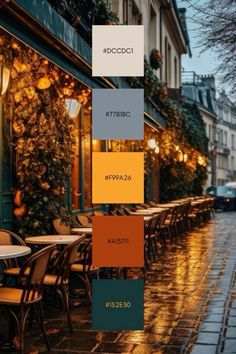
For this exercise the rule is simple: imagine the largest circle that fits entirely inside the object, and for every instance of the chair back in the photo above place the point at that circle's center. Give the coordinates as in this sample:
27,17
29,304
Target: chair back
163,216
8,237
83,219
99,213
60,227
154,225
126,211
174,214
64,261
86,256
32,283
122,212
113,212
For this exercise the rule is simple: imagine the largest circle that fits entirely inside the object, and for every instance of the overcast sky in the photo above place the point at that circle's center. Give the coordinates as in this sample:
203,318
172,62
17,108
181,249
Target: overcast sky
200,63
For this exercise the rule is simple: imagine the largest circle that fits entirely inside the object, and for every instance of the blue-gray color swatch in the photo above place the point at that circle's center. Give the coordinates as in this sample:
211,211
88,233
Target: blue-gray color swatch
118,114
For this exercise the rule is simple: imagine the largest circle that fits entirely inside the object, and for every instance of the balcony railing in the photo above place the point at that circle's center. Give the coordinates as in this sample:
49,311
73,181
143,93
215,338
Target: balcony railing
190,77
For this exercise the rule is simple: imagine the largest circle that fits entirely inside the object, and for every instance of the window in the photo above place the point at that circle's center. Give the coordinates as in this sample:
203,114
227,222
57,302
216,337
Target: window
125,12
169,73
167,62
166,59
219,137
114,6
225,139
176,73
232,163
153,28
233,141
222,162
136,18
81,178
210,133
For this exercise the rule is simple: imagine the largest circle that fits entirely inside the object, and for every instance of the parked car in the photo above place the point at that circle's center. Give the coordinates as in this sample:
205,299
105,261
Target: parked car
231,184
225,197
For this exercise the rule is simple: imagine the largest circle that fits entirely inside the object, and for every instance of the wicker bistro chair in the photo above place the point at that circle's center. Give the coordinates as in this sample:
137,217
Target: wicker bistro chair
152,235
83,220
60,227
99,213
8,237
162,225
84,268
60,274
147,225
169,226
18,301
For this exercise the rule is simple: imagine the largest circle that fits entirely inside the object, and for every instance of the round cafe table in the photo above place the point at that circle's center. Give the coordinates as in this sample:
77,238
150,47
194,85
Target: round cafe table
83,230
53,239
156,209
142,212
13,251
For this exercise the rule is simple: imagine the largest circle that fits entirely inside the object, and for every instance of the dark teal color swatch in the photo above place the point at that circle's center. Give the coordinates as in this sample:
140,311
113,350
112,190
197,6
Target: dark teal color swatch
118,304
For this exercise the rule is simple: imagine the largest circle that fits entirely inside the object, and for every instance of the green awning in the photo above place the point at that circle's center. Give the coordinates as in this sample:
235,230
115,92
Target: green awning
29,38
64,33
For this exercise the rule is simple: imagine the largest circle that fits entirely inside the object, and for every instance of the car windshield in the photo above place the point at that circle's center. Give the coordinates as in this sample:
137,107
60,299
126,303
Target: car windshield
225,191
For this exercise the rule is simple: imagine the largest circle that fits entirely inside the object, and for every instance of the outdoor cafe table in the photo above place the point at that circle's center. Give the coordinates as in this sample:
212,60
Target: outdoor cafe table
142,212
53,239
168,205
83,230
13,251
155,209
146,218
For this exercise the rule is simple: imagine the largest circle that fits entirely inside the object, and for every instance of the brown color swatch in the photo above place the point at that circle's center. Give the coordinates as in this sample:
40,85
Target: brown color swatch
118,241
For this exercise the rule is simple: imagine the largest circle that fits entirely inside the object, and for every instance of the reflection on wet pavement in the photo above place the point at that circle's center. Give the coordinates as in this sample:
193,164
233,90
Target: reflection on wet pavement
190,302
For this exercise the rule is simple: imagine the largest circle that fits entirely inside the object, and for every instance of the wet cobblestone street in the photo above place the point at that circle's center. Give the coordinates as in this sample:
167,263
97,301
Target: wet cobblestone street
190,302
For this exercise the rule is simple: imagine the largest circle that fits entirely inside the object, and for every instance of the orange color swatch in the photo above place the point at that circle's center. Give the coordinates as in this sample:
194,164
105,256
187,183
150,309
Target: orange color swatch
117,177
118,241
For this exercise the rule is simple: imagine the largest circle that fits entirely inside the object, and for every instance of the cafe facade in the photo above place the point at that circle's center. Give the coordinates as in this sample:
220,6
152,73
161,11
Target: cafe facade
46,108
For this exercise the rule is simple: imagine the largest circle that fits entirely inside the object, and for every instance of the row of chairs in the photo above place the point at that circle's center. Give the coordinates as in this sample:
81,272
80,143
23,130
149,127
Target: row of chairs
170,222
45,268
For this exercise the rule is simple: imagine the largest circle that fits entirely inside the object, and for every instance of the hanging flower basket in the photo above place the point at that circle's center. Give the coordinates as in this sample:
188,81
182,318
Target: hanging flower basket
156,59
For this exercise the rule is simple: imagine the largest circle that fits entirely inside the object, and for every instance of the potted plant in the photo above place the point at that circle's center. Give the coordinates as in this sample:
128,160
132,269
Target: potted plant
156,59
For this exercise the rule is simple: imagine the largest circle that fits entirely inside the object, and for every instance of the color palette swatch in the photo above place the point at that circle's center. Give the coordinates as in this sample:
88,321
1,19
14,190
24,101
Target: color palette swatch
118,241
118,50
118,114
118,304
117,177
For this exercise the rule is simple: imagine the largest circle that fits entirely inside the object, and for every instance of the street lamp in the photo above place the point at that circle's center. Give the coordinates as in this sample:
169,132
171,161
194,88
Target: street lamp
73,107
152,143
4,79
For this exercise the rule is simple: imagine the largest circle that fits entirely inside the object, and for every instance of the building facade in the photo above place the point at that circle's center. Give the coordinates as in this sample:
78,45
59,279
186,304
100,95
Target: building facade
164,30
50,31
225,138
218,113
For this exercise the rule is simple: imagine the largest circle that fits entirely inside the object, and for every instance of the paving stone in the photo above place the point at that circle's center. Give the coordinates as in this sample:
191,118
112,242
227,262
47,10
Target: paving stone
108,347
168,350
232,313
207,338
230,332
216,310
213,318
204,349
186,288
211,327
230,345
232,321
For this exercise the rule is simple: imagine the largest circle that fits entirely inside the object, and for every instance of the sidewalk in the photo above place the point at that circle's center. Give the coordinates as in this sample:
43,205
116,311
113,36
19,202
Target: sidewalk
190,303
